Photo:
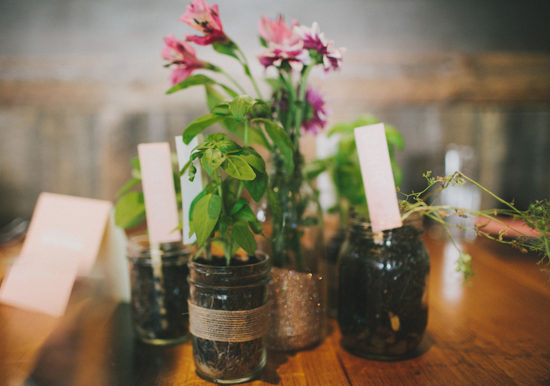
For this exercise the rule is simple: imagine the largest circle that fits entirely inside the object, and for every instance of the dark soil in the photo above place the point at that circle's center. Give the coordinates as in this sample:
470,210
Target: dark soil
382,313
145,307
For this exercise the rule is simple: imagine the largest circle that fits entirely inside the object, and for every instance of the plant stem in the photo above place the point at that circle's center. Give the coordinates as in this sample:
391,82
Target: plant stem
244,62
232,80
491,194
301,98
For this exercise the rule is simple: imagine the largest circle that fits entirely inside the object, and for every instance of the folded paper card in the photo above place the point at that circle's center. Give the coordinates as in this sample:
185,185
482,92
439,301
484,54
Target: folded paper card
65,238
189,189
159,192
374,159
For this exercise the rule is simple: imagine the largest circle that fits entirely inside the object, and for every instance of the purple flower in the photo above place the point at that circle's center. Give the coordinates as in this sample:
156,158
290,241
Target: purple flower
321,50
204,18
315,112
182,55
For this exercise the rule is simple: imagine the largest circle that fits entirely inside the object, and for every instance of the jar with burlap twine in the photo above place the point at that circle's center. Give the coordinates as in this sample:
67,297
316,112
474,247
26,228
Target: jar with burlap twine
229,316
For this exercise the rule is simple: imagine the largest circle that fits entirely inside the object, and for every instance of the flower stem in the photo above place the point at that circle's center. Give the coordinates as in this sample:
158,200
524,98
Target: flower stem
301,98
244,62
232,80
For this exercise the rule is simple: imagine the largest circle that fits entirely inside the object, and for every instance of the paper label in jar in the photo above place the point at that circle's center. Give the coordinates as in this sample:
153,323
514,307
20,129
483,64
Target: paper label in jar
159,192
374,159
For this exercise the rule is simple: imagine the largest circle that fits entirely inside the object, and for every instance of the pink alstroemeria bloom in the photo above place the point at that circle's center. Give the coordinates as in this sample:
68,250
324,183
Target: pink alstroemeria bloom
275,31
324,52
181,54
316,112
204,18
284,46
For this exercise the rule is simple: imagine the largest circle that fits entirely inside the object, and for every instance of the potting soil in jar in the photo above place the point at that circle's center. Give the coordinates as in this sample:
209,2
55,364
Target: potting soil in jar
383,290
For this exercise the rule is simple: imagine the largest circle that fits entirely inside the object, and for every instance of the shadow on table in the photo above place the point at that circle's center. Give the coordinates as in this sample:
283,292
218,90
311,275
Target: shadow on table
101,350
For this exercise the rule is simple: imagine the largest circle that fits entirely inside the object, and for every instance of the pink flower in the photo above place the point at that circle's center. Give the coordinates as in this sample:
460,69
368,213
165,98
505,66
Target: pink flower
320,49
275,31
182,55
285,47
316,112
204,18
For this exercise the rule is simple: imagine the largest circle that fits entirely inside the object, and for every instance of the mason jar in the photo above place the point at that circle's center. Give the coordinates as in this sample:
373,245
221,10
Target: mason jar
228,311
383,289
159,291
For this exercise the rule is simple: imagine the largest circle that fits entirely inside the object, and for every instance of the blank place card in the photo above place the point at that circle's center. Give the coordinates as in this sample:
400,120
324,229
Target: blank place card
65,237
158,189
374,159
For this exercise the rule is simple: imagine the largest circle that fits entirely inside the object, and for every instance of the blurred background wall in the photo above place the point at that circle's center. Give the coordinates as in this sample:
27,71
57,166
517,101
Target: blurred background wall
82,83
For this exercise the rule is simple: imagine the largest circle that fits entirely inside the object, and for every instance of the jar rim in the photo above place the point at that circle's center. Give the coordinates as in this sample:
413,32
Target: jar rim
139,247
224,268
357,218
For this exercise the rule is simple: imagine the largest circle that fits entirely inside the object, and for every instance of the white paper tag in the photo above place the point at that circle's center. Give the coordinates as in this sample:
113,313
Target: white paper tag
374,159
189,190
158,189
65,237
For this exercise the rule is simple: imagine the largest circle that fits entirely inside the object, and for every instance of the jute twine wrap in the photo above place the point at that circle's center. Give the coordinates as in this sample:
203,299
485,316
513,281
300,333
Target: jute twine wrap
228,326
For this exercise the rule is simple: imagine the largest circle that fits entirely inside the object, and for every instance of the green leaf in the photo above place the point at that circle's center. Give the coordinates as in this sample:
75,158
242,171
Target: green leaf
237,167
212,159
254,159
225,222
257,186
221,109
247,216
130,210
314,168
203,193
238,206
203,223
127,186
227,48
242,235
343,127
193,80
281,139
254,134
213,97
240,106
214,207
394,137
365,120
198,125
263,42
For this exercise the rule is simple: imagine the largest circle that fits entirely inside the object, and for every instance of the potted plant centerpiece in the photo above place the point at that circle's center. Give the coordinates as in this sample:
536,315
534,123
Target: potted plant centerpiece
228,276
290,209
345,175
383,292
159,287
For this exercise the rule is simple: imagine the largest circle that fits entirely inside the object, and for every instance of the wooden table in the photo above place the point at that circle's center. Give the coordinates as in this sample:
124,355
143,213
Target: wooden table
495,332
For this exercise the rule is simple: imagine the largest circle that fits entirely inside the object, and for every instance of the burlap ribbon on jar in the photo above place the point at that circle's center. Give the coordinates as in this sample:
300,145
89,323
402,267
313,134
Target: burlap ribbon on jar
228,326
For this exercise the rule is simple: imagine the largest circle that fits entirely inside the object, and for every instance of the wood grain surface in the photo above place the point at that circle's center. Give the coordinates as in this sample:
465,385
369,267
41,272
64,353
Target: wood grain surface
492,333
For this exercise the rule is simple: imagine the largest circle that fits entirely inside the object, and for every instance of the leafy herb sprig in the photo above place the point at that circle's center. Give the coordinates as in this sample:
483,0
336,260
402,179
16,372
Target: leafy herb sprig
220,214
537,217
343,167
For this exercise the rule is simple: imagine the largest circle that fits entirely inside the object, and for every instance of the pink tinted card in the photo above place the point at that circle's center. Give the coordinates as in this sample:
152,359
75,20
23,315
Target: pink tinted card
67,226
374,159
158,188
41,284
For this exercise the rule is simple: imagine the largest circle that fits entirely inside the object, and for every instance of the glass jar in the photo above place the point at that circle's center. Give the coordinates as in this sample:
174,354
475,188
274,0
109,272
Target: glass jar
159,294
228,311
383,290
